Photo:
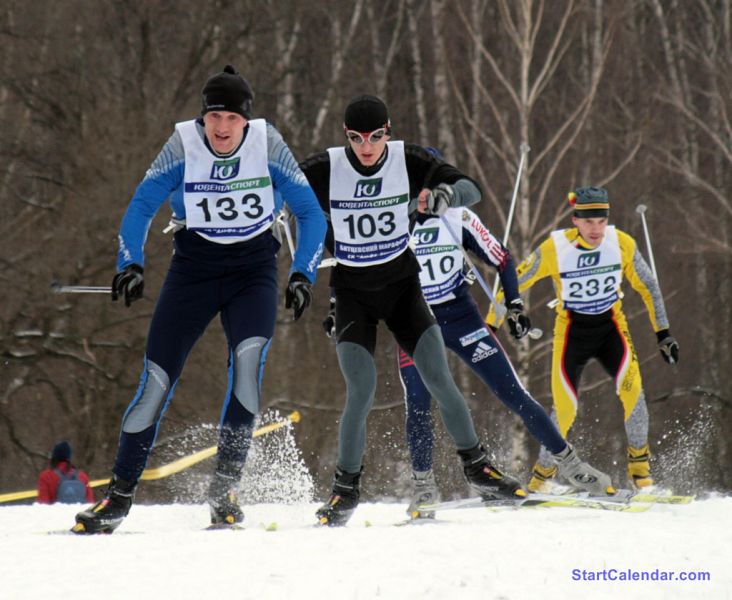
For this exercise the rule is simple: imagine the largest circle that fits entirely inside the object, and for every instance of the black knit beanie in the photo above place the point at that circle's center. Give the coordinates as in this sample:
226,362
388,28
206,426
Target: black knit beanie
228,91
366,113
61,451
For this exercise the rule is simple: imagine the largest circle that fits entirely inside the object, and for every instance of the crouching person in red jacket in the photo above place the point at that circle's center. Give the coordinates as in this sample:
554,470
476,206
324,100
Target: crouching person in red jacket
62,481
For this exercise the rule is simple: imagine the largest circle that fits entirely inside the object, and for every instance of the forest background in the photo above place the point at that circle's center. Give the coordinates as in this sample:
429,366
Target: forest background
635,96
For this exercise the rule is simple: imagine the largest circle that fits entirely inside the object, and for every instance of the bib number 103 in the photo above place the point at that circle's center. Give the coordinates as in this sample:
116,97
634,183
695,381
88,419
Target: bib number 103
367,226
226,208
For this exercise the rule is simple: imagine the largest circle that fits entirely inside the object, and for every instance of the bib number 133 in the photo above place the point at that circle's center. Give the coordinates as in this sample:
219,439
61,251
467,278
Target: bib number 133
227,209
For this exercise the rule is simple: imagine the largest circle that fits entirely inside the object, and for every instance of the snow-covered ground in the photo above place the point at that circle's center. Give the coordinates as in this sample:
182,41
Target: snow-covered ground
163,552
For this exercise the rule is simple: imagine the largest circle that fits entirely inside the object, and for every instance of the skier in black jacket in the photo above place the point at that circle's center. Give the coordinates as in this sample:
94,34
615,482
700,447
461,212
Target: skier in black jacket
371,191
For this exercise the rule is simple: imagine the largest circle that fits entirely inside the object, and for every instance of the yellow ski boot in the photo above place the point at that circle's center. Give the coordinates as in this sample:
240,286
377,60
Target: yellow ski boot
541,479
639,466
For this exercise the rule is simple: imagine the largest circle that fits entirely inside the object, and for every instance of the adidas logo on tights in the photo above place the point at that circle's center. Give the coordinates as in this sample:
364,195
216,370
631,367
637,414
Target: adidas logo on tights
483,350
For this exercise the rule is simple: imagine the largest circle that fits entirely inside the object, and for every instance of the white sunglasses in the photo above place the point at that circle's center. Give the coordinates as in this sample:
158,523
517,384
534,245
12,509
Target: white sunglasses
372,136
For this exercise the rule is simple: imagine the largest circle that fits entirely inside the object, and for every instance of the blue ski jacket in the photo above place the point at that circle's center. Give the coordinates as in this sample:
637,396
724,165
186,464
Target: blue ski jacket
164,181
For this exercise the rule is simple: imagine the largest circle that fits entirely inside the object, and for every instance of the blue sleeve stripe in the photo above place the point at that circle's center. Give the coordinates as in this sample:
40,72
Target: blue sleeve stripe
296,191
280,155
311,226
165,162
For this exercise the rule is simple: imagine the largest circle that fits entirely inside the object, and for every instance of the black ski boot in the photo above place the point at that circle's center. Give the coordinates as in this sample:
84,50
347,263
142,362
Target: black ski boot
225,509
343,500
485,479
105,516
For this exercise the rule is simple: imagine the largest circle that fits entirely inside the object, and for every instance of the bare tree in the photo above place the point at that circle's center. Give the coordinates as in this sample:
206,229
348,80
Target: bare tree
416,74
340,46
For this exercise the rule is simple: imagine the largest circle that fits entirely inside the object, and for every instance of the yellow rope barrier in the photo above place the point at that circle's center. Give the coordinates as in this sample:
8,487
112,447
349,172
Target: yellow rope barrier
171,468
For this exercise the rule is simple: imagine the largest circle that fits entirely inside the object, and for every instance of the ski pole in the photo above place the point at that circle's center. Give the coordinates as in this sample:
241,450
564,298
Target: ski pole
283,220
525,149
641,210
285,224
59,288
535,332
499,308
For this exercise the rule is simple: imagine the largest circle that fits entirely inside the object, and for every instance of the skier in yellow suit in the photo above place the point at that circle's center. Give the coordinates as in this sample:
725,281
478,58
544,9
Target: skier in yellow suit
587,264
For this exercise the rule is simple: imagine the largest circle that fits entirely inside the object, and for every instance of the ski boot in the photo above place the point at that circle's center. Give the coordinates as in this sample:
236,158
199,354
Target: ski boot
485,479
425,492
343,501
225,509
106,515
582,476
541,479
639,466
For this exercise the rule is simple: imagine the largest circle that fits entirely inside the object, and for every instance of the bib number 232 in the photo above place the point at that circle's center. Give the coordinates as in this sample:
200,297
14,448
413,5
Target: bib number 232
592,287
226,208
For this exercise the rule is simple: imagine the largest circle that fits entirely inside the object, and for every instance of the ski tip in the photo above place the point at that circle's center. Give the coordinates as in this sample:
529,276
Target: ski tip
224,527
422,520
611,491
520,493
323,520
271,527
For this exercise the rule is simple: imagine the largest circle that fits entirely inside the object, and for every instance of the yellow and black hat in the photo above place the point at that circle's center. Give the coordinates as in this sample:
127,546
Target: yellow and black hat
589,202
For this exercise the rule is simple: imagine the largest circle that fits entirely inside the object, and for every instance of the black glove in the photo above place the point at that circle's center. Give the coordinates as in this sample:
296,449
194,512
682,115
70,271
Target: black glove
518,322
298,295
329,321
130,283
439,199
668,346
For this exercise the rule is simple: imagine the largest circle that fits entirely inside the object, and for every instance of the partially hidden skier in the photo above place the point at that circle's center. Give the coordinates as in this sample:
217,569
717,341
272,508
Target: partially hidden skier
445,279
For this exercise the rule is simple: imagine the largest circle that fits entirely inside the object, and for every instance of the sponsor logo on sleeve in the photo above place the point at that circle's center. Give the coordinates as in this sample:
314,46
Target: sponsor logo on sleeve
473,337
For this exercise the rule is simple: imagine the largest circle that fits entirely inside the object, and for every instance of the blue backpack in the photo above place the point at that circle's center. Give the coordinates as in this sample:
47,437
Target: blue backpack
70,489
